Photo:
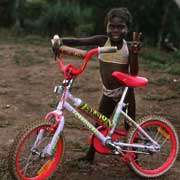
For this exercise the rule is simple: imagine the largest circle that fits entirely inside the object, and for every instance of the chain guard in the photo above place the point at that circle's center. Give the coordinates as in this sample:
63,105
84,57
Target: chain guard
99,147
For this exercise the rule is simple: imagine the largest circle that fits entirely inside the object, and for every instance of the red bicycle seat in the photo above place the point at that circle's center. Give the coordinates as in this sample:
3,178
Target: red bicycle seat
130,80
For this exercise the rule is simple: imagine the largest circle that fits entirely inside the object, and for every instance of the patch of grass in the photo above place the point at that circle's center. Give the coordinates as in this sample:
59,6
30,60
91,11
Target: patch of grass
177,86
161,81
159,97
155,60
35,40
174,69
1,58
166,81
4,175
4,122
53,104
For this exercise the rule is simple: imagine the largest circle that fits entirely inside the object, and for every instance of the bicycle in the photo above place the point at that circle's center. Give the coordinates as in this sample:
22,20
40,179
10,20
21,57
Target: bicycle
38,148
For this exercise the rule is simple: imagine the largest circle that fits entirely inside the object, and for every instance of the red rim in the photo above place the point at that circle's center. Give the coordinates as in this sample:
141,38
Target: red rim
52,166
171,155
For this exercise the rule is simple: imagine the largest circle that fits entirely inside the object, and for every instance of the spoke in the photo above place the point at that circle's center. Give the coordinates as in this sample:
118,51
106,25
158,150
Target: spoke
164,142
165,154
156,136
27,164
149,166
30,160
150,131
159,138
141,158
153,133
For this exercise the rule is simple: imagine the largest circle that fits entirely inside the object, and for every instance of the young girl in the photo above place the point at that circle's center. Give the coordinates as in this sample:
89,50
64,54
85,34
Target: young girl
125,60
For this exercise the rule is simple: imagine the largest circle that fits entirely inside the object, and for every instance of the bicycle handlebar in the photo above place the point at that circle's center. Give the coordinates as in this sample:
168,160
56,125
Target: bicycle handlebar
72,51
70,70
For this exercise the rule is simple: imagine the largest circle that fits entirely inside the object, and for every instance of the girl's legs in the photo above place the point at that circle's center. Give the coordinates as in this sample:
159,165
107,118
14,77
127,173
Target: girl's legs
106,107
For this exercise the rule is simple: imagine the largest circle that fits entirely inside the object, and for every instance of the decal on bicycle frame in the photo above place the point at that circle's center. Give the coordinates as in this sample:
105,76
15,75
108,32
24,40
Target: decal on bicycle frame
90,111
84,121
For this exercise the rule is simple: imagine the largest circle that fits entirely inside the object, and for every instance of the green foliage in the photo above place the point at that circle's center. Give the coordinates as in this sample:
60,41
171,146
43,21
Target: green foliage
154,18
60,18
176,55
34,9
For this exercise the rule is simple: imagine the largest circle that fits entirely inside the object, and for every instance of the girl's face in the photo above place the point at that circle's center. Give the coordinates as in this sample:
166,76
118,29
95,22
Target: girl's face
116,29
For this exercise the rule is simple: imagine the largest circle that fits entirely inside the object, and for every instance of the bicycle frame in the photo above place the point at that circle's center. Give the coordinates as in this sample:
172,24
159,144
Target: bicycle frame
66,101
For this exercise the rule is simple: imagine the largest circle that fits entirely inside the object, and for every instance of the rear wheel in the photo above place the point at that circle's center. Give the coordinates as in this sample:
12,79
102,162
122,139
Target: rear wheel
27,163
154,164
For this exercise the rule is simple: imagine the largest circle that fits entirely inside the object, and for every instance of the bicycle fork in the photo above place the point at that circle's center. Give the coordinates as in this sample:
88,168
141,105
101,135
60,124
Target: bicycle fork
49,149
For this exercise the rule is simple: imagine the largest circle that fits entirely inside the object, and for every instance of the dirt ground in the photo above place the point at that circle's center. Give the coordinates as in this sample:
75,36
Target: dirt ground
27,77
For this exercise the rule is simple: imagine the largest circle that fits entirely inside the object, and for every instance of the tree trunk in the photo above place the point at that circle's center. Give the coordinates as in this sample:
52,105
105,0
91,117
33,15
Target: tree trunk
18,14
163,23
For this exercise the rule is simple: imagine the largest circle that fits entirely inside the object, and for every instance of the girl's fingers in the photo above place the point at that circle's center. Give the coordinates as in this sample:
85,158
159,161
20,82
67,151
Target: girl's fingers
137,36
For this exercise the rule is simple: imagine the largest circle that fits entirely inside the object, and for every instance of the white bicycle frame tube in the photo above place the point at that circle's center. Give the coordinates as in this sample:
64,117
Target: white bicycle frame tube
76,101
94,130
118,111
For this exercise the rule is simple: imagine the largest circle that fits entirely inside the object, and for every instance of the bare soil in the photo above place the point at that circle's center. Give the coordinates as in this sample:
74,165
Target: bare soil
27,77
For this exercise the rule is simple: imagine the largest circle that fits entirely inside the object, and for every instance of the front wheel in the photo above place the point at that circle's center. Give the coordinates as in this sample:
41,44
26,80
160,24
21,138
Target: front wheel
27,163
153,164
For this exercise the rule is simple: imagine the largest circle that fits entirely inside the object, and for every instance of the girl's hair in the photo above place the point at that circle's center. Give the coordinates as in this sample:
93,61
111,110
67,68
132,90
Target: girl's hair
121,12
